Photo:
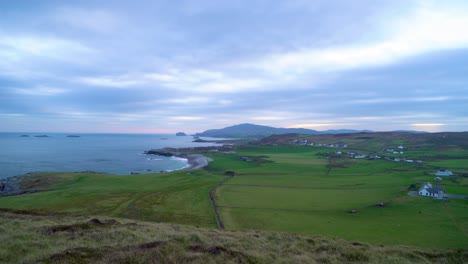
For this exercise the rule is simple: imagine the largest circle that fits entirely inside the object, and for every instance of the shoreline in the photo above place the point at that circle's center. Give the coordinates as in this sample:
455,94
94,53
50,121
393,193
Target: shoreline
13,185
195,161
193,156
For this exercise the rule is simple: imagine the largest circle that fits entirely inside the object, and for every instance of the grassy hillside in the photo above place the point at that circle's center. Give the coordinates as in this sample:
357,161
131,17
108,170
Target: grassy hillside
29,237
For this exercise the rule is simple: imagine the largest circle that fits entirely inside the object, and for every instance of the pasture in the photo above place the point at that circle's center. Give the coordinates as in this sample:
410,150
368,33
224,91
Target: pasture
293,189
175,197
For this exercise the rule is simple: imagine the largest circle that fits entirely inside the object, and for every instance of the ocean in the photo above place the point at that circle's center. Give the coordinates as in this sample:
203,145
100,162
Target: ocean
109,153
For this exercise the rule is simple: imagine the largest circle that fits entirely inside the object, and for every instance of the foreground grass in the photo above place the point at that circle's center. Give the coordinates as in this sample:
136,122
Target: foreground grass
29,237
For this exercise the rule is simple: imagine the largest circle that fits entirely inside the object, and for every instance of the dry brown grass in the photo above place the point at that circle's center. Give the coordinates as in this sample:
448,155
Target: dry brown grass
32,238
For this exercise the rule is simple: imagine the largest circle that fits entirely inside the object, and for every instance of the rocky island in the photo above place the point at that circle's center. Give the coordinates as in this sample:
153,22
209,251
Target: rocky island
181,134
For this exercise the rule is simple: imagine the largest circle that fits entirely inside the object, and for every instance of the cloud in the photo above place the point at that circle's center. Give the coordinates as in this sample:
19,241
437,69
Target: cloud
198,81
40,91
321,125
39,56
380,100
95,20
430,127
186,118
123,81
427,29
11,115
18,47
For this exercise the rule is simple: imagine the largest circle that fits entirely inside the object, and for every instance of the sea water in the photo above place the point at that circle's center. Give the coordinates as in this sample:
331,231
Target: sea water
109,153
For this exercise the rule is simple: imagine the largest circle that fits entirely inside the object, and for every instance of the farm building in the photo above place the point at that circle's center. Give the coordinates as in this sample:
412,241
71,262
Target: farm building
443,172
428,190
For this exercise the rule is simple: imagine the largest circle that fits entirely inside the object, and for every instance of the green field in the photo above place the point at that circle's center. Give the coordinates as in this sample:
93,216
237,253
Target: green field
295,191
298,189
168,197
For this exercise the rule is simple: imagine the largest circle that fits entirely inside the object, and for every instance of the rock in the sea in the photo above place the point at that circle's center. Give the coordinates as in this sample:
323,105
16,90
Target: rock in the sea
199,140
181,134
158,152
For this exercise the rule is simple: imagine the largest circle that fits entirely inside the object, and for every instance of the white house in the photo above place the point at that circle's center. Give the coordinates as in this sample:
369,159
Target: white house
428,190
401,147
361,156
443,172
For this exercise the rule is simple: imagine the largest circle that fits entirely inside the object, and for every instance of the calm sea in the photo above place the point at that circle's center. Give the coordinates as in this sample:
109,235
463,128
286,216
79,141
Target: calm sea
110,153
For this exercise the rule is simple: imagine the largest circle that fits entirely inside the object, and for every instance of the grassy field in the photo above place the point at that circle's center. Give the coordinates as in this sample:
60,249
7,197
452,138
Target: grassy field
168,197
292,189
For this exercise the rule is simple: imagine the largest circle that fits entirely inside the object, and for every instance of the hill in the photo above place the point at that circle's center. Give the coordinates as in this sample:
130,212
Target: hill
258,131
377,140
39,237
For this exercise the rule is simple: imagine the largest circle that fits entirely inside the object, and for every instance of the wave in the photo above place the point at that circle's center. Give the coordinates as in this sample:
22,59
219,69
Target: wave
178,158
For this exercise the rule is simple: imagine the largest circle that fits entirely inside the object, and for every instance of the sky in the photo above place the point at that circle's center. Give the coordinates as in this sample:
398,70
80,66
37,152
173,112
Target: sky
153,66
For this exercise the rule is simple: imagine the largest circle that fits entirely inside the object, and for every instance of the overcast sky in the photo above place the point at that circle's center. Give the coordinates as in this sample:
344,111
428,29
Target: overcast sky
166,66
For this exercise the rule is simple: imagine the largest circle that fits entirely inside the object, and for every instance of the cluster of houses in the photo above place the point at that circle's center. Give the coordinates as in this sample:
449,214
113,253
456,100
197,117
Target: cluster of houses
403,160
399,150
356,155
305,142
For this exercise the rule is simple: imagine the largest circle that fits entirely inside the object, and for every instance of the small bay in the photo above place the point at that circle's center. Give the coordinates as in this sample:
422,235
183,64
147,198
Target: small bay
22,153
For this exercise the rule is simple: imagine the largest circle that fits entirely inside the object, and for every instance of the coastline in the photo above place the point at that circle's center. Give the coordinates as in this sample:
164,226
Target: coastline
196,161
193,156
14,185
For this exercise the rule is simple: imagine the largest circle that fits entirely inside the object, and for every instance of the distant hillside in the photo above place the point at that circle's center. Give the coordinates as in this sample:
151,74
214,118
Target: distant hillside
258,131
378,140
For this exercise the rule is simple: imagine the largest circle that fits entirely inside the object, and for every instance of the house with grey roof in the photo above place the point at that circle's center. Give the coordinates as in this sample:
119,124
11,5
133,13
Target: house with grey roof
428,190
443,172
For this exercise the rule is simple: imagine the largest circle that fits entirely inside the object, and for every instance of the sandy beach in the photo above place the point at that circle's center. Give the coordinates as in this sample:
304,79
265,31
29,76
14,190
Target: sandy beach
196,161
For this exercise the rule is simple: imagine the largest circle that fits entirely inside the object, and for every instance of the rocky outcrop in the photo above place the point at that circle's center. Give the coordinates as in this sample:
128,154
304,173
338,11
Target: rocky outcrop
159,152
181,134
10,186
